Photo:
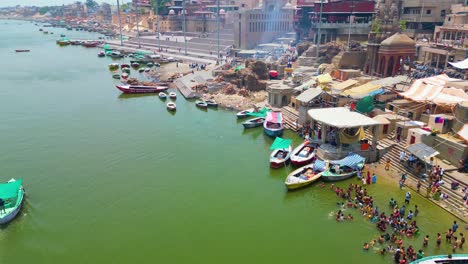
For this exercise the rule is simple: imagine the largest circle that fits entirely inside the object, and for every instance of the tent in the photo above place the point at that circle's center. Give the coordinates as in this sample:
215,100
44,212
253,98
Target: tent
365,105
261,113
280,143
422,151
463,65
339,87
364,90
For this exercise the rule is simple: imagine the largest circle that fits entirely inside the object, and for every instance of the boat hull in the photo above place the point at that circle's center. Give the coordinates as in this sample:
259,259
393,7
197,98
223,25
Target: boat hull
292,183
253,123
139,91
273,132
330,178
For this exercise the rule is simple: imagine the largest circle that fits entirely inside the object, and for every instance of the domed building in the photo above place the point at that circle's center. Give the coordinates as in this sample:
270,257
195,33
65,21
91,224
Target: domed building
393,53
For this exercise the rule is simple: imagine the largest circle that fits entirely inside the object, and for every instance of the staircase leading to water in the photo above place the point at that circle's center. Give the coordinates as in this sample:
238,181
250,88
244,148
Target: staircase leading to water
290,116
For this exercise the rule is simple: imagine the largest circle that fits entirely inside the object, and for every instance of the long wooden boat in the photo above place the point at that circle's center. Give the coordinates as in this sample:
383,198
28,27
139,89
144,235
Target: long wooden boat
22,50
243,113
442,259
11,199
343,169
201,104
171,106
254,122
132,89
90,44
273,125
303,176
304,153
279,157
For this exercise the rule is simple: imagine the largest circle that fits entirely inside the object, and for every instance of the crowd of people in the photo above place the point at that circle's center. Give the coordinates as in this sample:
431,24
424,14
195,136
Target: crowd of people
424,71
400,223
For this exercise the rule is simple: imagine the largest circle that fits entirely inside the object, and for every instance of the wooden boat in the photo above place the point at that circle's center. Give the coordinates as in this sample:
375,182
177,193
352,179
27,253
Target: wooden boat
40,29
273,125
201,104
162,95
11,199
90,44
101,54
116,76
342,169
243,113
135,65
124,76
126,70
171,106
22,50
254,122
279,157
115,55
443,259
131,89
211,103
303,176
304,153
141,70
62,35
173,95
63,42
150,64
124,65
147,69
113,66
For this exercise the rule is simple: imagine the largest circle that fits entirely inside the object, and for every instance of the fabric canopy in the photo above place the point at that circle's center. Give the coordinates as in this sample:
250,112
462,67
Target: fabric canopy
434,89
365,105
362,90
280,143
261,113
464,132
461,64
341,117
274,117
337,88
239,67
10,189
348,139
422,151
352,160
324,78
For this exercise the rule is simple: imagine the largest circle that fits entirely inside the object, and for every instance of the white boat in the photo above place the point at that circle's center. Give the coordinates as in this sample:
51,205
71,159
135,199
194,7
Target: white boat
162,95
173,95
11,199
171,106
279,157
304,153
443,259
243,113
303,176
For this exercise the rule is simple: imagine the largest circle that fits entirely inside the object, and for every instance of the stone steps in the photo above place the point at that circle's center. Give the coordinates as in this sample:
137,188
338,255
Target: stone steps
290,116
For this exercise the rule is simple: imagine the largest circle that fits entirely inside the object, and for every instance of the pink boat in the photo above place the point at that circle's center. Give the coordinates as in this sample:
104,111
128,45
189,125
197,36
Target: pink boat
132,89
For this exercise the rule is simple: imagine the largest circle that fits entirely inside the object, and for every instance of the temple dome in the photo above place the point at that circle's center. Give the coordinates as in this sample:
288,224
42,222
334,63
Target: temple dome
398,40
172,12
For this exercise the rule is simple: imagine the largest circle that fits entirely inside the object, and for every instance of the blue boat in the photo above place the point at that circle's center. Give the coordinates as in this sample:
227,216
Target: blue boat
336,170
273,125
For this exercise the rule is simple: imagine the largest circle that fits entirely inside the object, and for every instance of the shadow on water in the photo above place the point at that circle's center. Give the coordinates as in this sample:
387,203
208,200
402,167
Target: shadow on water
131,96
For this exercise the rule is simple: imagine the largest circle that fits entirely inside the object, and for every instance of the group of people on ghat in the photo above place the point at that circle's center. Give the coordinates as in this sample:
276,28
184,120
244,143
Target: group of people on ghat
401,222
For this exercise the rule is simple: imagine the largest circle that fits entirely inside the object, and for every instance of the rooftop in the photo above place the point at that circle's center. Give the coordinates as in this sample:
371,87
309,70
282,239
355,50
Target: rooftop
341,117
398,40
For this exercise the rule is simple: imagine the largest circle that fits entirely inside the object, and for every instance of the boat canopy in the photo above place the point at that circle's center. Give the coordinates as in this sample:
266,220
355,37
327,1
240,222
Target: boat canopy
280,143
352,160
261,113
274,117
10,190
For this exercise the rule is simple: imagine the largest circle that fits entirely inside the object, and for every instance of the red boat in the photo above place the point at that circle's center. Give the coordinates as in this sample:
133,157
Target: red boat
132,89
22,50
90,44
304,153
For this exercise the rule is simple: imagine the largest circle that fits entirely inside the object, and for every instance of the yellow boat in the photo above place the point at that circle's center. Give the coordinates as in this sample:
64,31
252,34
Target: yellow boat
303,176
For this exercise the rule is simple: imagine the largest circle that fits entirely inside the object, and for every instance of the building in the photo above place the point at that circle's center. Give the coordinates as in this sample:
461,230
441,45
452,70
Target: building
450,39
340,20
262,25
422,16
393,52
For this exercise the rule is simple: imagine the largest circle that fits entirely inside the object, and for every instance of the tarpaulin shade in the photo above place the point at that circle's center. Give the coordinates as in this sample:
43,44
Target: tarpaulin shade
274,117
461,64
261,113
422,151
280,143
362,90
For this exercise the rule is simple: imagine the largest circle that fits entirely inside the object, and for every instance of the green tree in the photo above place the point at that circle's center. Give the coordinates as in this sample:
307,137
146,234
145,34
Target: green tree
43,10
91,4
124,7
402,25
161,6
376,25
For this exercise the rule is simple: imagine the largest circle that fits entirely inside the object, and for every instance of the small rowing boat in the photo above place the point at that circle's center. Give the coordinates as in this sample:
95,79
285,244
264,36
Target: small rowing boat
171,106
11,199
303,176
343,169
126,70
113,66
124,65
147,69
243,113
141,70
443,259
124,76
101,54
254,122
273,125
135,64
201,104
150,64
22,50
90,44
211,103
162,95
173,95
279,157
116,76
304,153
132,89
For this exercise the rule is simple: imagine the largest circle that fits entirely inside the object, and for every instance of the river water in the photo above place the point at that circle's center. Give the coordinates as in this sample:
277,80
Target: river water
118,179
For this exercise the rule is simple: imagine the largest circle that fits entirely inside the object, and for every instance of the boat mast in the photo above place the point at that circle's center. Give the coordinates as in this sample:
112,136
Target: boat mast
120,23
319,28
184,26
138,22
218,18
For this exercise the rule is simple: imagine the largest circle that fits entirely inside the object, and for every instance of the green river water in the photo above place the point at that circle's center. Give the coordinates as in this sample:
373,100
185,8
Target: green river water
118,179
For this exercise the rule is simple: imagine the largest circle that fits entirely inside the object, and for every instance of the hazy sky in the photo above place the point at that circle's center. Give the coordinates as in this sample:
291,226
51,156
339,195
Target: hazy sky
4,3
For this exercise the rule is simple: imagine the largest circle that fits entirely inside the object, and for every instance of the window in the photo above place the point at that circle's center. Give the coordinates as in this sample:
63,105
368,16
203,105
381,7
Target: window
428,12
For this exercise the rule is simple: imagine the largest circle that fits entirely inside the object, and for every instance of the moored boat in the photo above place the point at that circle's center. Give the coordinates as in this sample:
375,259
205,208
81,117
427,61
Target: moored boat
303,176
126,70
141,88
162,95
443,259
101,54
273,125
115,55
201,104
90,44
22,50
135,65
304,153
62,35
281,152
342,169
150,64
147,69
211,103
11,199
124,65
116,76
254,122
243,113
124,76
113,66
171,106
63,42
173,95
141,70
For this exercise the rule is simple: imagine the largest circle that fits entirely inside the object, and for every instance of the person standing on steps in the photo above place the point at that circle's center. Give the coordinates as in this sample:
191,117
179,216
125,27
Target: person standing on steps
416,210
418,186
408,197
454,226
